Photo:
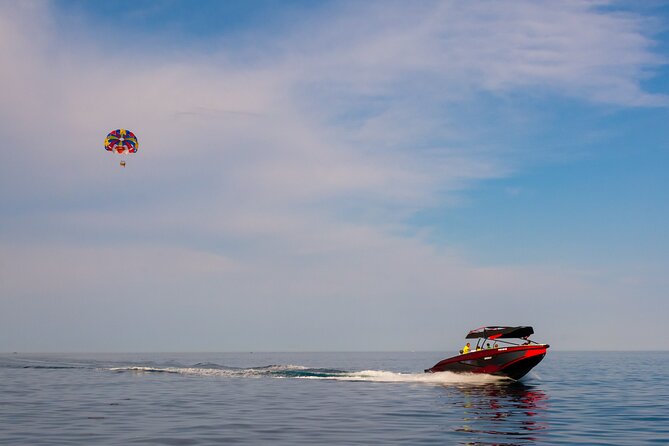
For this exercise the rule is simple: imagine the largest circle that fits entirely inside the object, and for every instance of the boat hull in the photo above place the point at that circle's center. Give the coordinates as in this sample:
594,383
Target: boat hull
512,362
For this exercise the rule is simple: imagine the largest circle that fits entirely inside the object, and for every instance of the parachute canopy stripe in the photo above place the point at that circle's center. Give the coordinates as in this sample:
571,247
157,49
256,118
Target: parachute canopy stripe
500,332
121,141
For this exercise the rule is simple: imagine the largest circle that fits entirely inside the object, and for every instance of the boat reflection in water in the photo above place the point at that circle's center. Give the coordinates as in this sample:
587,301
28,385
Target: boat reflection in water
499,414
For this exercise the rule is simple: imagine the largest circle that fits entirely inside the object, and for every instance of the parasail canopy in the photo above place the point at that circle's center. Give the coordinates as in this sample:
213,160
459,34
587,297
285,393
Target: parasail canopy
121,141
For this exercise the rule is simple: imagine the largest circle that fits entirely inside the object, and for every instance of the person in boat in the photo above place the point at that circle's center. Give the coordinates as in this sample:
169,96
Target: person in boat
465,349
496,345
487,346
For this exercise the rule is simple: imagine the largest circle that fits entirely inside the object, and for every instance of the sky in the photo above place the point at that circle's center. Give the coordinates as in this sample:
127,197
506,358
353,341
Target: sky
333,176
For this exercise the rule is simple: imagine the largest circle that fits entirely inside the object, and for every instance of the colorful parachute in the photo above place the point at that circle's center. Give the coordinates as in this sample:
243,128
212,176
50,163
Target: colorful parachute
121,141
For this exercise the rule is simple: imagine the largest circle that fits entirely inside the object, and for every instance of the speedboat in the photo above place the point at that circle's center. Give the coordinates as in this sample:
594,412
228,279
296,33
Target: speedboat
511,359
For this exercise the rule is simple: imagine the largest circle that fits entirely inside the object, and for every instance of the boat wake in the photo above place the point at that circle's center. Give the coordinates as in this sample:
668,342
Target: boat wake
300,372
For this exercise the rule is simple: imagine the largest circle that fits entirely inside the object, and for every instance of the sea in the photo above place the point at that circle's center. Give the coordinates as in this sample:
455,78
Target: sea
378,398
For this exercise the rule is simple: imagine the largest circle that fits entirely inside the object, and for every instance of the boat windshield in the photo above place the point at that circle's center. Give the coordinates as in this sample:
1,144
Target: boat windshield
485,343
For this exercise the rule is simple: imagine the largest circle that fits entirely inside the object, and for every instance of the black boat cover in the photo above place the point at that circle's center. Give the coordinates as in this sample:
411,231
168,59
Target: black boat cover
500,332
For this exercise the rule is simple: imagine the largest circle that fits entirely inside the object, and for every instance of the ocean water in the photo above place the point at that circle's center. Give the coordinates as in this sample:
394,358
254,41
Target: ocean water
619,398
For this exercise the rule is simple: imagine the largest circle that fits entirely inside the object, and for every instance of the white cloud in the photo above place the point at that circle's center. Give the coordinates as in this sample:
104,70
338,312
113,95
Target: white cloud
577,48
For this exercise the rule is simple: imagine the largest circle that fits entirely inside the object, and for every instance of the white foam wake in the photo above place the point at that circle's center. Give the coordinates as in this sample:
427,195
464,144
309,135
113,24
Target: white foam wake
428,378
272,370
300,372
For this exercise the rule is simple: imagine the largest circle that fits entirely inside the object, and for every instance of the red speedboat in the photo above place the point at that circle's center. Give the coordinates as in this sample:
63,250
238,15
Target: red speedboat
503,358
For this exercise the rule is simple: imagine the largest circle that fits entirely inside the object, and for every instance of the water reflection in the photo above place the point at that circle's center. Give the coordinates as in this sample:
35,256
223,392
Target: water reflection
499,414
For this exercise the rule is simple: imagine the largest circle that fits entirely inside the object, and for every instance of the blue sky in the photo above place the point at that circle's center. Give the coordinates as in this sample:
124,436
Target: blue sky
332,175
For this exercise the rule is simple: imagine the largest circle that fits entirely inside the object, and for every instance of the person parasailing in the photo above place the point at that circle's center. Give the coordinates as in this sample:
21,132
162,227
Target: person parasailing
121,141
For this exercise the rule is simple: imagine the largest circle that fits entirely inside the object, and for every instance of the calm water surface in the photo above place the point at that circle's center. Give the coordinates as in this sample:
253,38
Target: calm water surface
329,398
